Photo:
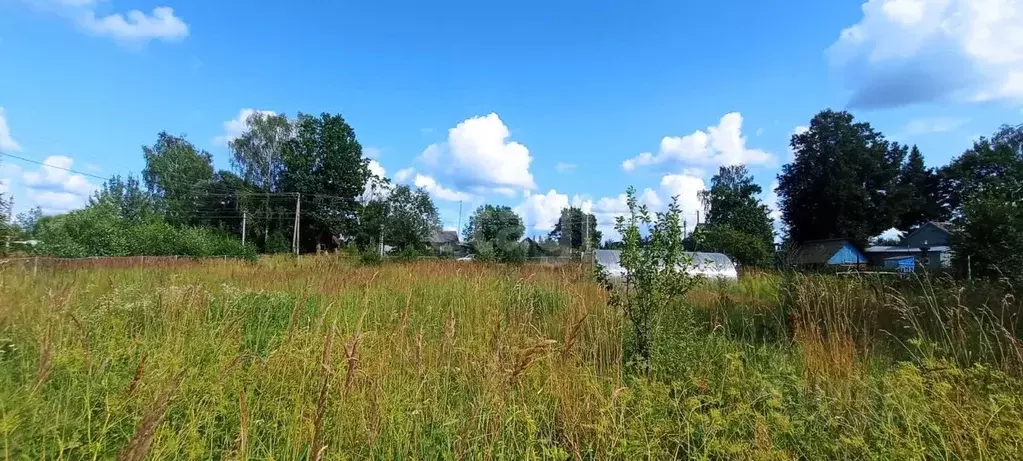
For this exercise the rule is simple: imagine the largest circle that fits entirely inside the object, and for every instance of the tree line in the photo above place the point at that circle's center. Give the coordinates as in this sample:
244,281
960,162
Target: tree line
846,180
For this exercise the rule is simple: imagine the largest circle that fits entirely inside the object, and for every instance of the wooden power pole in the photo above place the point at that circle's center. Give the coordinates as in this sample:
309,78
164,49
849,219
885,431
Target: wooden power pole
298,210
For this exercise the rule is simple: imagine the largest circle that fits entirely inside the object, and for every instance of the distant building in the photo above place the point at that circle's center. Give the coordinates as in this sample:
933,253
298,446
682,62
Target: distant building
707,265
928,246
830,252
446,243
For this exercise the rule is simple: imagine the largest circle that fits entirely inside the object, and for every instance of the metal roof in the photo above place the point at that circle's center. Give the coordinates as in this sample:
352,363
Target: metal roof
897,249
716,265
818,251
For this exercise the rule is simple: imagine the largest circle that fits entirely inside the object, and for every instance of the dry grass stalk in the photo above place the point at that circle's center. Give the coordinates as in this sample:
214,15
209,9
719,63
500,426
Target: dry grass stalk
45,360
420,366
321,401
529,356
573,335
449,334
830,359
140,369
234,363
85,340
351,349
243,432
293,321
140,442
404,314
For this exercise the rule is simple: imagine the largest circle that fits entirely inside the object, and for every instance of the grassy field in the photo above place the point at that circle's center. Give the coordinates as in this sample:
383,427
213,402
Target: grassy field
321,359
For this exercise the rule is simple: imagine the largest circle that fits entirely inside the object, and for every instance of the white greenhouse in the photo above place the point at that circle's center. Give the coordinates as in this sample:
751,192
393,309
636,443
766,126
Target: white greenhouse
708,265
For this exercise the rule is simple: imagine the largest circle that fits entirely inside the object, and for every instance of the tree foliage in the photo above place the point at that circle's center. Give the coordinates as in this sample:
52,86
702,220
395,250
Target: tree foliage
412,217
494,231
101,230
574,227
656,274
917,194
737,223
747,249
982,190
842,181
318,158
177,174
128,197
990,164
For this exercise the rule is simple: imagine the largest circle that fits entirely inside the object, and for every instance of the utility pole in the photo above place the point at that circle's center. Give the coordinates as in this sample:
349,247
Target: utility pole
10,224
459,230
969,268
586,234
298,210
245,214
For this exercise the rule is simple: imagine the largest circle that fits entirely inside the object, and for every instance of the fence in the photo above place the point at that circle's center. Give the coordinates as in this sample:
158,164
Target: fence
34,263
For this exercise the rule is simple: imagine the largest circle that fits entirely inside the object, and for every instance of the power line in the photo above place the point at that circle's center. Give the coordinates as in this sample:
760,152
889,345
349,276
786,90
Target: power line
234,193
37,162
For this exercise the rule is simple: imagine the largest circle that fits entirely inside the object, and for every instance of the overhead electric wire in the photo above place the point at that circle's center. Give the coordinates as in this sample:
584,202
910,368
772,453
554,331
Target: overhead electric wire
53,166
234,193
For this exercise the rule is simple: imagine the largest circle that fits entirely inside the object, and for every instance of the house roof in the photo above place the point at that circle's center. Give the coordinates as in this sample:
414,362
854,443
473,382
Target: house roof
700,261
943,225
818,251
443,237
901,249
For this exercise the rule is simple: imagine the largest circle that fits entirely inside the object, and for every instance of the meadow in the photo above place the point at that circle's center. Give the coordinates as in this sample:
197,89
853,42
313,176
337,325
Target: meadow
323,358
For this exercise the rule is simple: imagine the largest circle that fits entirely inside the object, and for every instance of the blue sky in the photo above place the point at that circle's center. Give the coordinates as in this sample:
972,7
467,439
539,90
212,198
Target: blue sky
535,105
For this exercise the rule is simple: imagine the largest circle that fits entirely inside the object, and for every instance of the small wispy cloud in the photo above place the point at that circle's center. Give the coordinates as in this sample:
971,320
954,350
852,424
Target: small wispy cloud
563,167
931,125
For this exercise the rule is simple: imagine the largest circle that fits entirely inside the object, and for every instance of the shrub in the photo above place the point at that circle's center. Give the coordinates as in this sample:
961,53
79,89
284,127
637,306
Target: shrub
99,230
655,274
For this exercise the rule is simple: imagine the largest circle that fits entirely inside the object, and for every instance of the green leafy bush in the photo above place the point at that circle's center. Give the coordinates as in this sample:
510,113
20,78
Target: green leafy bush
100,230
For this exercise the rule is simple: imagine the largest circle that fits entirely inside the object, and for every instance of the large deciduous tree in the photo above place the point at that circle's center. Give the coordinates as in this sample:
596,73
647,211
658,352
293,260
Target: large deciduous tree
127,195
494,229
989,163
842,181
318,158
326,165
982,190
177,175
574,227
411,217
737,223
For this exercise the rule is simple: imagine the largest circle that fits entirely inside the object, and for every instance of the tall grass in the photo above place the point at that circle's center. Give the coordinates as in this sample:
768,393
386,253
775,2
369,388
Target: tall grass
325,359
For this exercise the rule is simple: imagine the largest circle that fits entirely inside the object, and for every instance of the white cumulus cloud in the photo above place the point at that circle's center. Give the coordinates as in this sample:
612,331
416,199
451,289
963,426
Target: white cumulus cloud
430,184
686,187
478,152
439,192
403,175
540,212
909,51
7,143
234,128
137,26
374,188
55,189
722,144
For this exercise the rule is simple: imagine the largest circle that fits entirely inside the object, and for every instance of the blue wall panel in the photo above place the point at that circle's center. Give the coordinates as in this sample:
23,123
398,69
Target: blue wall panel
848,255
